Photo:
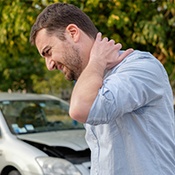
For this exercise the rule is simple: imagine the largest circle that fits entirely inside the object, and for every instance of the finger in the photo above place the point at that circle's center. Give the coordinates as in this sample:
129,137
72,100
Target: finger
112,42
99,36
118,46
125,54
105,39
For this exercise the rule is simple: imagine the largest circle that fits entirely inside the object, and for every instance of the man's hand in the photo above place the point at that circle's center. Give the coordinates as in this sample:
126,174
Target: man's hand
105,53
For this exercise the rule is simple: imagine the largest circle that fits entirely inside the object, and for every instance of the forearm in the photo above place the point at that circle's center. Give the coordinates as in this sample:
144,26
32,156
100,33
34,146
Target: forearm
85,91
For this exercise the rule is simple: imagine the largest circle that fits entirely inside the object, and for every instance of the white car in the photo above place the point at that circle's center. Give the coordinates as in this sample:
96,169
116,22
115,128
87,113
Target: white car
37,137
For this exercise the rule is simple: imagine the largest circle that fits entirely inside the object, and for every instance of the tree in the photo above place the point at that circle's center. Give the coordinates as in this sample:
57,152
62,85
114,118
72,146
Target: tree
143,24
18,59
21,67
147,25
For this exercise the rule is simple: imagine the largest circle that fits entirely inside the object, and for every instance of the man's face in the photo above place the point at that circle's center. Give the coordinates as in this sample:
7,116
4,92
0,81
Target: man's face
61,55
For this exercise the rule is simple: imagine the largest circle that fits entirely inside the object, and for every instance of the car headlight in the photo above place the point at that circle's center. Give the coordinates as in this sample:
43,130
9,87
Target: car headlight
57,166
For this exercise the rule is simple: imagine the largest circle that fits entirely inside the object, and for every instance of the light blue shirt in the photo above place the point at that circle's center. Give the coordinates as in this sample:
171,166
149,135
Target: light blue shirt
130,128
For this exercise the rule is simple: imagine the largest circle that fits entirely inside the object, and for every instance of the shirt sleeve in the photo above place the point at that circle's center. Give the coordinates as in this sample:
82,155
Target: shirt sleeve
133,84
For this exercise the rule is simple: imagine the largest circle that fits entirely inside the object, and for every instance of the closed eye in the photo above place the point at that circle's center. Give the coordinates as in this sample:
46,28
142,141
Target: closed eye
46,51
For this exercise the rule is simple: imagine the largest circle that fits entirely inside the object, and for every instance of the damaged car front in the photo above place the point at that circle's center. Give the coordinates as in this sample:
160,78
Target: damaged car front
38,137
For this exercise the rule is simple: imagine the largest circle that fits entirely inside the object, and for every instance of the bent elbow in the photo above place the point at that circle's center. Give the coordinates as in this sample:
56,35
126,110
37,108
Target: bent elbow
78,115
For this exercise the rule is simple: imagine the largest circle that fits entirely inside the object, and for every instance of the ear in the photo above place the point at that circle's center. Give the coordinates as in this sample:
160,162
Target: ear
73,31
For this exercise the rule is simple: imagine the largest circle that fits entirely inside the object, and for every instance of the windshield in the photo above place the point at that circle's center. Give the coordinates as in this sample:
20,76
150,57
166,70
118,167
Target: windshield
37,116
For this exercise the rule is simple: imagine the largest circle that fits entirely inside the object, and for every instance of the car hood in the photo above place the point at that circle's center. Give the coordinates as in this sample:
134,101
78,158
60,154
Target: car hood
74,139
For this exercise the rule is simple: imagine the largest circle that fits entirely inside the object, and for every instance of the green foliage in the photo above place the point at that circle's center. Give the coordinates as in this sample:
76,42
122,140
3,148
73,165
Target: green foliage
147,25
53,82
21,67
17,57
141,24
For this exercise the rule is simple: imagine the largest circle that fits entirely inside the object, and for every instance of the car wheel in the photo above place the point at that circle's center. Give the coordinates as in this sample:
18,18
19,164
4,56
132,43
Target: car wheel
14,172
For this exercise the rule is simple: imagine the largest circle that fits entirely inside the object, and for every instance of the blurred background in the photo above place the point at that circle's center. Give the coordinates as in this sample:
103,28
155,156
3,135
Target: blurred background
147,25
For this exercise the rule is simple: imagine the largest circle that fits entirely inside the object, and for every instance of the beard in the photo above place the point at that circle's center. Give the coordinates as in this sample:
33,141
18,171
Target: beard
72,63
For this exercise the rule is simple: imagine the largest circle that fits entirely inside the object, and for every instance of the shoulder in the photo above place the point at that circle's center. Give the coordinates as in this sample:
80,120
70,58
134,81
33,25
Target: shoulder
138,63
137,55
139,59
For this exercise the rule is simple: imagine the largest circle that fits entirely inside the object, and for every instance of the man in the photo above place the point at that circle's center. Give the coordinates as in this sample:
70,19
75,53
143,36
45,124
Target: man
126,105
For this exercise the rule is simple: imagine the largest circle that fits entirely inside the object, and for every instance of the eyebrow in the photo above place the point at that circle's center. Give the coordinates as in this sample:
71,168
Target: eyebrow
43,52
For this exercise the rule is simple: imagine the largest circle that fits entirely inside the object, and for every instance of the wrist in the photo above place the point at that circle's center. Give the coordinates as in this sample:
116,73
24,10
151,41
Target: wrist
96,67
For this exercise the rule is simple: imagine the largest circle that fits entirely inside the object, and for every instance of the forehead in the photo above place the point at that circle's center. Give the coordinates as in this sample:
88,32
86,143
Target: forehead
43,39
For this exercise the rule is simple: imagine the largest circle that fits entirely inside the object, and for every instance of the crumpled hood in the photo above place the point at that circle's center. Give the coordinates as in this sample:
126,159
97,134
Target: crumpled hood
74,139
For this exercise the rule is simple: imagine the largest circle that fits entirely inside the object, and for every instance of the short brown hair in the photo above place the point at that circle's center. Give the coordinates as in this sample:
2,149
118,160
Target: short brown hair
56,17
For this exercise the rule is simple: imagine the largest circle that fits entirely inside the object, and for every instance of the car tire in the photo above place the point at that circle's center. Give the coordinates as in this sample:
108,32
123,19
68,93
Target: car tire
14,172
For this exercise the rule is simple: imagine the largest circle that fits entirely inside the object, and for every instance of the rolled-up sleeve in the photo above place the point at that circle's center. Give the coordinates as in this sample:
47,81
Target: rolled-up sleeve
133,84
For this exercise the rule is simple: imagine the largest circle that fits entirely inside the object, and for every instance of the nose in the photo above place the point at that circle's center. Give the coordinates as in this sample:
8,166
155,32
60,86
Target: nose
50,64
